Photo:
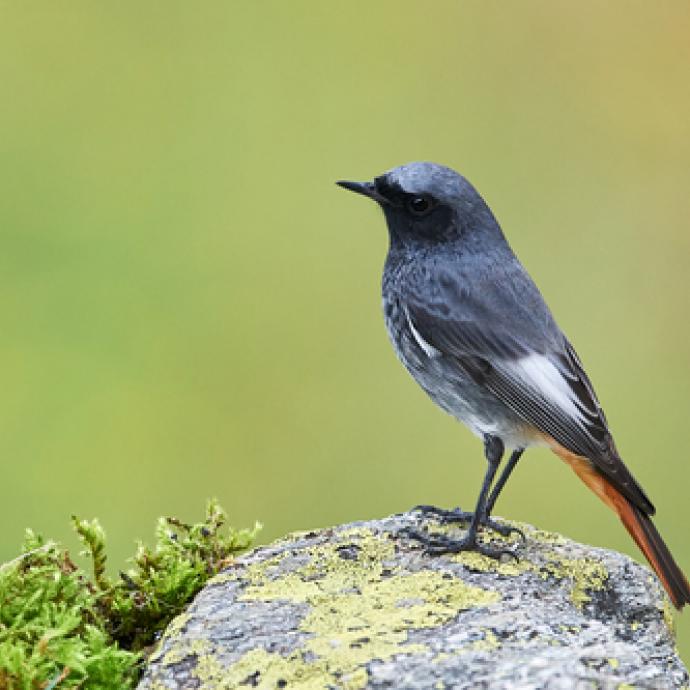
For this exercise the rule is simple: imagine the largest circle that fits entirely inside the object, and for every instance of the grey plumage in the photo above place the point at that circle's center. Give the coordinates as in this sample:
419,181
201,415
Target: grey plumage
471,327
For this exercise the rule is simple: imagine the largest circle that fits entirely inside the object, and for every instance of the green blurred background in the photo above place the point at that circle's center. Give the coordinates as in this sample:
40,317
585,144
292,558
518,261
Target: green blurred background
190,307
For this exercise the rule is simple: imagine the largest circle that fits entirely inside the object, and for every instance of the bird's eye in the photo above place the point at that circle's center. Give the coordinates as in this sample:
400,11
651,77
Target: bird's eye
419,205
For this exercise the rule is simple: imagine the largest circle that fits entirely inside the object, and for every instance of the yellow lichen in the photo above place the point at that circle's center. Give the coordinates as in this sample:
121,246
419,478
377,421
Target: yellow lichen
669,617
173,630
264,669
485,536
587,574
210,671
177,624
542,535
478,562
373,624
489,642
177,654
358,611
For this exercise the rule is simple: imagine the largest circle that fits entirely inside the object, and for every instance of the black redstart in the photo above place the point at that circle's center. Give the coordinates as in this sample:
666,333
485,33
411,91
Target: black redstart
471,327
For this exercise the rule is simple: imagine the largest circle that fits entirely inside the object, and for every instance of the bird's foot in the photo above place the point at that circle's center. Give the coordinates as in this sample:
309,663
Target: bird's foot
436,544
455,515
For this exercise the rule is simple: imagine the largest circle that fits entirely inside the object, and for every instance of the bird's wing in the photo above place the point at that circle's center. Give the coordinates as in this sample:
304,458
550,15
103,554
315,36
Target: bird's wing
523,358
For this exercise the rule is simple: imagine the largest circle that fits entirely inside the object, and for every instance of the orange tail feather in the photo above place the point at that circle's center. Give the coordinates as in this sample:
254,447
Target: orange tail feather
638,524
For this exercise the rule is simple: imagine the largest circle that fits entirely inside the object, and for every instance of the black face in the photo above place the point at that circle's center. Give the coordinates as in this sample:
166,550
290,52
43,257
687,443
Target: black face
414,217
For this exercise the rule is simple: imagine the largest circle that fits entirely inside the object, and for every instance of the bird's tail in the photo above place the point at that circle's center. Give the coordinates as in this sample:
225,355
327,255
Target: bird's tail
638,524
645,534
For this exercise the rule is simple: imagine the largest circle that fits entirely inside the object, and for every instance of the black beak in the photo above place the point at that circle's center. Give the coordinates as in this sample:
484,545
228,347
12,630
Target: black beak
364,188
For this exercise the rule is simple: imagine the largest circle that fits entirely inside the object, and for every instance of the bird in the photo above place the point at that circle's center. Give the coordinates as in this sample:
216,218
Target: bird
472,328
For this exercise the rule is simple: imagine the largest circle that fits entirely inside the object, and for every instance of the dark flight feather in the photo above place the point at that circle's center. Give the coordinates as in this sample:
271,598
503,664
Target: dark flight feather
490,354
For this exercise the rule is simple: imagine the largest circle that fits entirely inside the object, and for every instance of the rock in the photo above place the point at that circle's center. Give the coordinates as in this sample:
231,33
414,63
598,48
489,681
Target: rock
362,606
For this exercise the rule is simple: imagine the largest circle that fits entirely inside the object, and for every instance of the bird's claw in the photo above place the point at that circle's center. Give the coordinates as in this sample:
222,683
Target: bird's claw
437,544
470,545
504,530
455,515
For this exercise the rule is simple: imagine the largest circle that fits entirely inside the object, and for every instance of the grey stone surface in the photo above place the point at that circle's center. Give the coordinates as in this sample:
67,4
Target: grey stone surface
362,606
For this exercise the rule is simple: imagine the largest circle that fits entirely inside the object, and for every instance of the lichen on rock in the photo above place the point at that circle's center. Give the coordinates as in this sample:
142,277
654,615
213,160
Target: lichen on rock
362,605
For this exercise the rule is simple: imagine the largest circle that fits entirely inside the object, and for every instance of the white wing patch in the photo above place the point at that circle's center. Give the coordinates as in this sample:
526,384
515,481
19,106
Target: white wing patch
429,349
541,375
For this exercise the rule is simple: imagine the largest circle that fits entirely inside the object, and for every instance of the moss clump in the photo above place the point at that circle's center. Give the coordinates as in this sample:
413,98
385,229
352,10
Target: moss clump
61,628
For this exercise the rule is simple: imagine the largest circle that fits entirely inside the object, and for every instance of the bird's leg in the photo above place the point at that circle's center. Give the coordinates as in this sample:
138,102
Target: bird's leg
456,515
487,521
498,487
437,544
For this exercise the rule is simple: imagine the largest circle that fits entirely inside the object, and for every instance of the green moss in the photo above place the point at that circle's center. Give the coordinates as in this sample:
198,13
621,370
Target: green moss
60,627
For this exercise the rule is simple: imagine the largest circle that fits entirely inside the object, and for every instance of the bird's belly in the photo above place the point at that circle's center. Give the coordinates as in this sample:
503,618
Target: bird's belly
474,406
456,393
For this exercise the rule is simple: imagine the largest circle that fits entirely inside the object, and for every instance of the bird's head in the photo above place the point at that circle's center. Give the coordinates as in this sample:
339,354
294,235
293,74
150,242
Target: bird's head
428,204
